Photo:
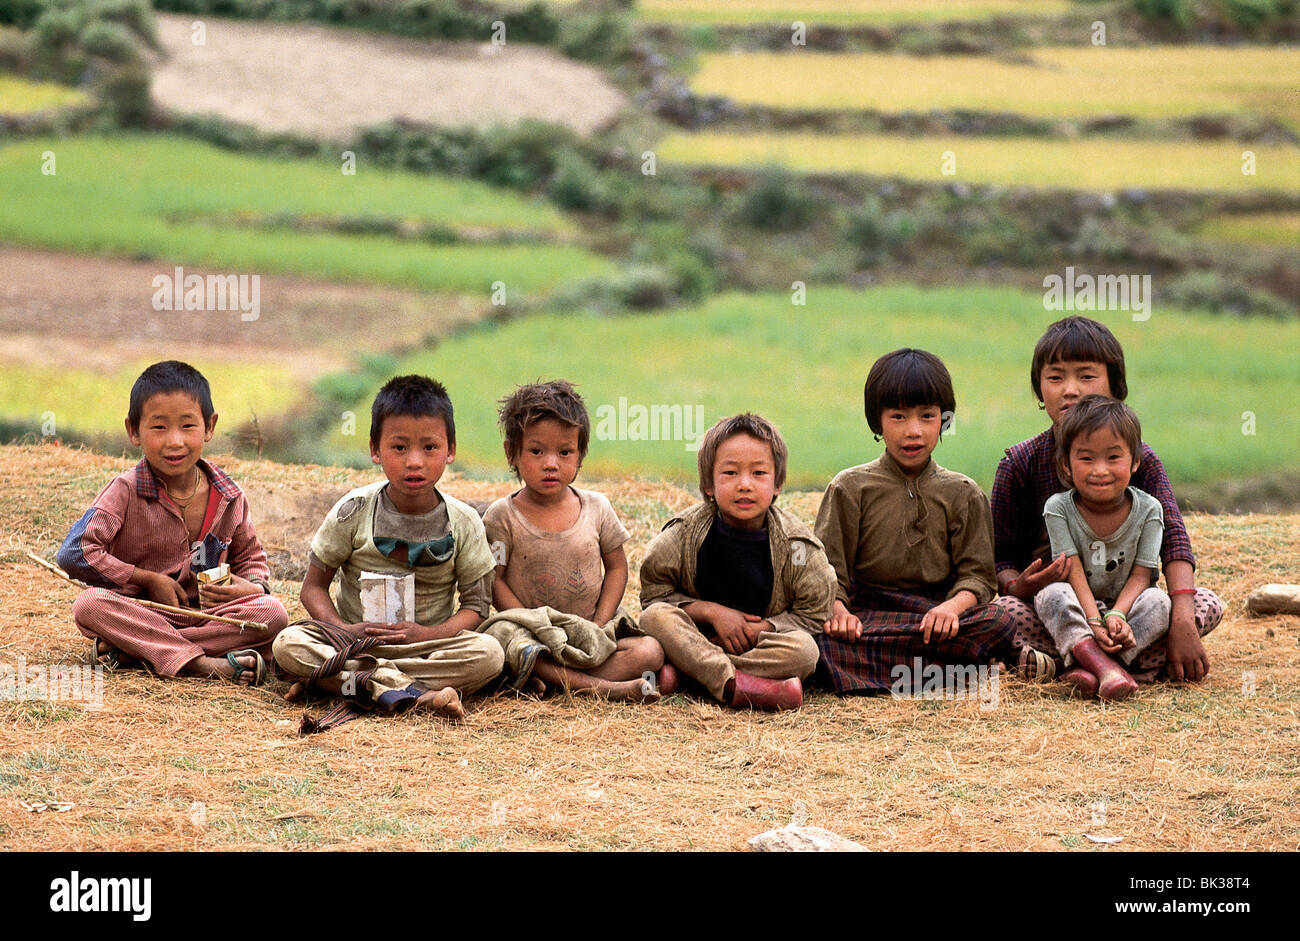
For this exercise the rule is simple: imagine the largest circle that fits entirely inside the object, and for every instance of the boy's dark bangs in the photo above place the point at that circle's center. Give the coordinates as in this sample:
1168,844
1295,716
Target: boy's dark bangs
1077,345
910,383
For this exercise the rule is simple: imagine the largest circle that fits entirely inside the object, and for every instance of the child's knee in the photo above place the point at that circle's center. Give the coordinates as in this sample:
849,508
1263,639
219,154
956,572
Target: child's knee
644,652
490,659
286,650
90,606
804,654
268,610
1055,600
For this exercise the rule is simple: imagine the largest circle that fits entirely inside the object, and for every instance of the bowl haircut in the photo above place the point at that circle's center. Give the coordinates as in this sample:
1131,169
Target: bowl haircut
1094,413
1079,340
906,378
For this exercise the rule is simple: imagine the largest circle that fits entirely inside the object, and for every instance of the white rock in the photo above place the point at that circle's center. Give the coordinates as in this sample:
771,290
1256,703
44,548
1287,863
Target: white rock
1274,599
794,839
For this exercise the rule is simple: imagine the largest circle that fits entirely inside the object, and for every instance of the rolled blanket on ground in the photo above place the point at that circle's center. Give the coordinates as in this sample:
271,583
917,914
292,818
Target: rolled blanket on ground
572,642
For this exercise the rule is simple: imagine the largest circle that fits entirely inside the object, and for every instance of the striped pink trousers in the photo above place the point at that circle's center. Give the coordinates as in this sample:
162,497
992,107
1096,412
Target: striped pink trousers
167,642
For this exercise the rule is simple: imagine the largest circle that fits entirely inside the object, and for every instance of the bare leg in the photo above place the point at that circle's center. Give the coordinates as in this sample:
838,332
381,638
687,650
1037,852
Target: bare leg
330,684
553,674
634,657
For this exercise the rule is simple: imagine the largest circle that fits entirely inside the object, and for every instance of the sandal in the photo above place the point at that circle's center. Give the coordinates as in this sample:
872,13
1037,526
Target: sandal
111,658
259,669
1036,666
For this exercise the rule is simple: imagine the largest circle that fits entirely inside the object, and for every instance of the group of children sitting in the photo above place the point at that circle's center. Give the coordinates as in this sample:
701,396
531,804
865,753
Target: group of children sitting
907,564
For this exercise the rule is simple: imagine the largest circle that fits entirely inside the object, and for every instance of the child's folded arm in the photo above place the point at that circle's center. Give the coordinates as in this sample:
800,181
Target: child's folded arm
839,519
84,554
1014,525
814,589
971,549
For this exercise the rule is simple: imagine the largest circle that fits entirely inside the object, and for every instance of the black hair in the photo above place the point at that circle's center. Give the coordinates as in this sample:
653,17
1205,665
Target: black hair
1079,340
169,376
1093,413
903,379
413,396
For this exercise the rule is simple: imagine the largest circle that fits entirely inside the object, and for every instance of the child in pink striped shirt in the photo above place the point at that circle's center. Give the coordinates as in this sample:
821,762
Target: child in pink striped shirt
153,528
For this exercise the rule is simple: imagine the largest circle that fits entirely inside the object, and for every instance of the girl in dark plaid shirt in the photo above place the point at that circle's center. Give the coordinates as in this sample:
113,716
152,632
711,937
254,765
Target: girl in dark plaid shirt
1076,357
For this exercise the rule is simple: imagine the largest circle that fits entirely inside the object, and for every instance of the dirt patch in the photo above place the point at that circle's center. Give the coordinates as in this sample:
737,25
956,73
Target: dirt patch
330,82
97,312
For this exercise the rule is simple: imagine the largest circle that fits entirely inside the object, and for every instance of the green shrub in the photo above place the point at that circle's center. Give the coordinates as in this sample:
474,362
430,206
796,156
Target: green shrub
595,35
111,41
1248,15
578,186
779,201
125,92
1177,13
1209,290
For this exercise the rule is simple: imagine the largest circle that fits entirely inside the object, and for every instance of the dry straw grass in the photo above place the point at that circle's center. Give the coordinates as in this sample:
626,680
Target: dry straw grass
1193,768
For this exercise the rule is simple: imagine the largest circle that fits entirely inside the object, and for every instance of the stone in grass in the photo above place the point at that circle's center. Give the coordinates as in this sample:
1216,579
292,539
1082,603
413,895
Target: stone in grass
794,839
1274,599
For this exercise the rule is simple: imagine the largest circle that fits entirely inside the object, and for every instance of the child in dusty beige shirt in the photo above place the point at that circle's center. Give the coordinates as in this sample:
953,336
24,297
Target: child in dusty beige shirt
560,548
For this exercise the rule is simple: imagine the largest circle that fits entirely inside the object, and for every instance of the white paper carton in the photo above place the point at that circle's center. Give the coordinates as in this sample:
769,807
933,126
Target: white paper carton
387,599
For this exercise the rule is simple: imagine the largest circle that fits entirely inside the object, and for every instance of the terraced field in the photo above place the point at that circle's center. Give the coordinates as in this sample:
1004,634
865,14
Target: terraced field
1088,163
1079,81
843,12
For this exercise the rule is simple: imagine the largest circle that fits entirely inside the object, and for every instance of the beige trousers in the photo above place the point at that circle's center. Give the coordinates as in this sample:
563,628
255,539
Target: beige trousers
464,662
778,655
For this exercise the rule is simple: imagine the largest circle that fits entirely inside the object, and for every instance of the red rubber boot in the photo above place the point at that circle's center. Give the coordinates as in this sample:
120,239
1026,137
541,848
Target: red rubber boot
669,680
753,692
1083,681
1113,681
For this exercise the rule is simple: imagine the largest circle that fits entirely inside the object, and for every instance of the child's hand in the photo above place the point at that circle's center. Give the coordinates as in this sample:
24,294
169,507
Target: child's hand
166,590
212,595
940,623
1037,576
755,625
1120,632
1102,636
403,632
843,624
733,628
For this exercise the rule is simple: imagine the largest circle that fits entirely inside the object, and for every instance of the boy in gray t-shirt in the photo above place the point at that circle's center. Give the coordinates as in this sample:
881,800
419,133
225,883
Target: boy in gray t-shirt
1110,533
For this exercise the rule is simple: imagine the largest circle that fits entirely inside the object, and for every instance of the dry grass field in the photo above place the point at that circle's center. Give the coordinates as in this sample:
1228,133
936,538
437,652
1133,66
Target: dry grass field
189,764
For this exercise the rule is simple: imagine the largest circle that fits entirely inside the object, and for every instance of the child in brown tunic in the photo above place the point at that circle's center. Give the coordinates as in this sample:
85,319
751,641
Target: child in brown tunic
911,544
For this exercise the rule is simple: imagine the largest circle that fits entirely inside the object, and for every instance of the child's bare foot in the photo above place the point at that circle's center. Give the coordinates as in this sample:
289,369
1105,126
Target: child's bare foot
534,687
442,702
638,690
244,667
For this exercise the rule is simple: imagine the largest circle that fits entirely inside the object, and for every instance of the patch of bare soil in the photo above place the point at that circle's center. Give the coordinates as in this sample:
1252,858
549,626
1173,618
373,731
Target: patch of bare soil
329,82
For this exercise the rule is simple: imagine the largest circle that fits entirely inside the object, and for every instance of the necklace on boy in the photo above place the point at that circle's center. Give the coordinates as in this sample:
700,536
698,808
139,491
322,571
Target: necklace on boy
185,504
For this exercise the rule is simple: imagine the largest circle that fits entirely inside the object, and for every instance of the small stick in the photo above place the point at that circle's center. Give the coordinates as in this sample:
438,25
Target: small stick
156,605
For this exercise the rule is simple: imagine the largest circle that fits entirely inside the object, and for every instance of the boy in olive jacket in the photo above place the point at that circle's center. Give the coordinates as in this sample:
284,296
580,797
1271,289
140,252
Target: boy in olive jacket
734,588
